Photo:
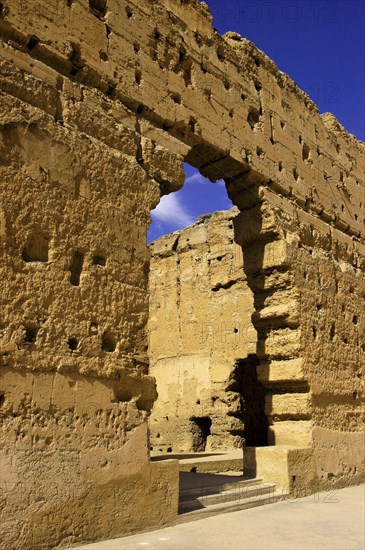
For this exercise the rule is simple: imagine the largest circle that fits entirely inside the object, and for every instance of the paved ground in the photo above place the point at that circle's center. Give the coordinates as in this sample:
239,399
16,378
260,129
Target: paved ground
332,520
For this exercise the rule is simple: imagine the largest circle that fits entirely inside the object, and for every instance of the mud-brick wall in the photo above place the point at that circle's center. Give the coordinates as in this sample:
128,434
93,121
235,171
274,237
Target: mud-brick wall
308,283
331,275
99,100
199,326
74,388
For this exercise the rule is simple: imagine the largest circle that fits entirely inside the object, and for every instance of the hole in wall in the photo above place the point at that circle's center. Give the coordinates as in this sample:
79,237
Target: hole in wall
123,395
2,399
176,98
111,91
36,248
295,174
129,12
203,67
332,332
103,56
31,332
108,342
253,117
76,268
136,47
305,152
220,54
192,123
73,343
138,77
99,260
355,319
32,43
200,430
98,7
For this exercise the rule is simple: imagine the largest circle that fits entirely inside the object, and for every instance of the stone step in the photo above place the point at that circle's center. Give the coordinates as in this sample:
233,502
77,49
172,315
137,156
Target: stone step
202,489
231,506
213,462
235,494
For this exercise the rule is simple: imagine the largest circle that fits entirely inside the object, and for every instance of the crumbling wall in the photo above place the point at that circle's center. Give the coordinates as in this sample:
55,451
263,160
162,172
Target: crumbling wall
101,101
301,287
308,281
199,325
75,390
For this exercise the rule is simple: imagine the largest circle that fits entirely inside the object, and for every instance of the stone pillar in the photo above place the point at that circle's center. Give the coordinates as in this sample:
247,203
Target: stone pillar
270,251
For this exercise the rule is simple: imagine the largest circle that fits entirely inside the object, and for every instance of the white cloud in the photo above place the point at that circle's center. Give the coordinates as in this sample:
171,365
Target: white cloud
199,179
171,211
196,178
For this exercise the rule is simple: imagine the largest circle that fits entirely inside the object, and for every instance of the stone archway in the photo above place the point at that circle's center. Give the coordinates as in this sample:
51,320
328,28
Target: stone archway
97,115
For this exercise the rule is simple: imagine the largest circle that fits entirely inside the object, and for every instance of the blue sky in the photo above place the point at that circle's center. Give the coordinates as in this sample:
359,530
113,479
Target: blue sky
319,43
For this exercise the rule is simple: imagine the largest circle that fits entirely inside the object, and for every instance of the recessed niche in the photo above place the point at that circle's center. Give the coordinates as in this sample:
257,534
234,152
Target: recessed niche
2,399
31,332
73,343
176,98
32,43
253,117
99,260
36,248
305,152
138,77
108,342
98,7
76,268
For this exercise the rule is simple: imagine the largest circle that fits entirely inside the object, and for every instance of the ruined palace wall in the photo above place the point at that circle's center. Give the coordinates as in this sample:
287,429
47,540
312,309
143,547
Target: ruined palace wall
100,104
308,280
75,391
220,95
199,325
309,288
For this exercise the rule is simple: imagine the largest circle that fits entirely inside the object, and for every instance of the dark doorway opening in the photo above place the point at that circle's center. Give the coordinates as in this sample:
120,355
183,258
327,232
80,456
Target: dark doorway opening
200,429
253,402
